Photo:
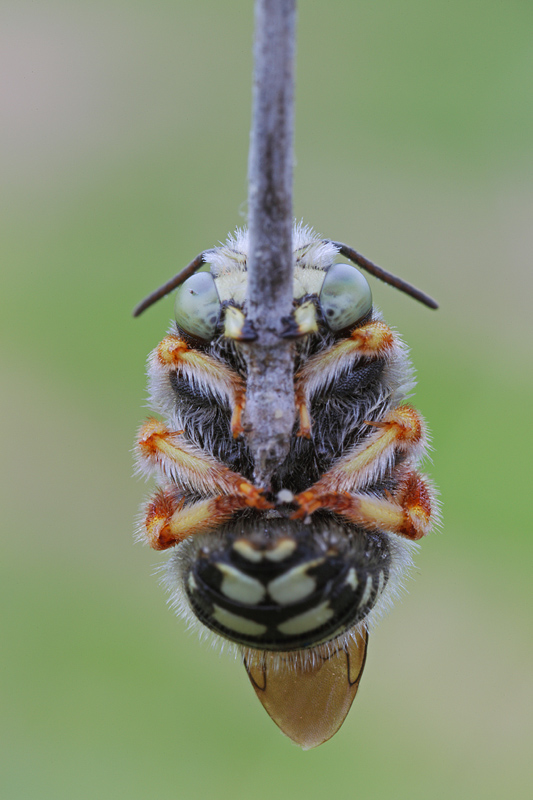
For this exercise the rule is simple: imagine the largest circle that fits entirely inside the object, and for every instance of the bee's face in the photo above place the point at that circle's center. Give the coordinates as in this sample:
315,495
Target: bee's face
326,295
291,575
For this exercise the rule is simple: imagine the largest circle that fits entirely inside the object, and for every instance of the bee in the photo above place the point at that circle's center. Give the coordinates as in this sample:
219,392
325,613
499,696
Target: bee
295,574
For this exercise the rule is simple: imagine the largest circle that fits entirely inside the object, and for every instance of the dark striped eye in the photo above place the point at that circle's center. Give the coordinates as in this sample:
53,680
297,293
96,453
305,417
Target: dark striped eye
345,297
197,306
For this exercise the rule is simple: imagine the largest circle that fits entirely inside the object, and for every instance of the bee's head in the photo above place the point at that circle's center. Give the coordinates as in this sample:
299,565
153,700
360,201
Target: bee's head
326,295
211,296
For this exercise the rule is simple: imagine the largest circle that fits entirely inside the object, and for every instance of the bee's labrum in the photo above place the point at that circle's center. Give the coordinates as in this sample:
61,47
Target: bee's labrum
287,587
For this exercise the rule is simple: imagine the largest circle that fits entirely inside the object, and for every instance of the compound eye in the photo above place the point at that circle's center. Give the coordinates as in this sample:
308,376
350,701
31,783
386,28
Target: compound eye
197,306
345,297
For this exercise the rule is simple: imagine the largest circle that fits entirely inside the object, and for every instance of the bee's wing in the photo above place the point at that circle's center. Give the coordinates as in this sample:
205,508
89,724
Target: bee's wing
310,703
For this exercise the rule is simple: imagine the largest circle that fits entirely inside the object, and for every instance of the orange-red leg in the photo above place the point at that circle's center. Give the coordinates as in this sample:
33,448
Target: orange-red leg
190,467
174,354
400,431
373,340
169,520
341,489
406,513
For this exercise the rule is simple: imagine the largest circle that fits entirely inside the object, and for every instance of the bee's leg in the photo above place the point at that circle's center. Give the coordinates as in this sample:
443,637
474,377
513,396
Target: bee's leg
373,340
302,406
401,431
191,468
168,520
212,376
407,512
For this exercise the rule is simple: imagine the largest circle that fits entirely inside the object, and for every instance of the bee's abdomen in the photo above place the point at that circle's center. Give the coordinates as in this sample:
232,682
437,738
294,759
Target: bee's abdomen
285,585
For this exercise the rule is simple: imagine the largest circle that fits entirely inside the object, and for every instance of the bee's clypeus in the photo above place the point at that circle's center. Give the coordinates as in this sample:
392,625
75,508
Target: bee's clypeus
292,576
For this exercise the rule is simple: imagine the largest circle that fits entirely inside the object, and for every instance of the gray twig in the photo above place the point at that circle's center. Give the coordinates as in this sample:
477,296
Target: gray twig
270,386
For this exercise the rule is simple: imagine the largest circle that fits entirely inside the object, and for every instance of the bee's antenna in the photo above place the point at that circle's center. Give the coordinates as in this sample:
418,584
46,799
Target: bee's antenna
173,283
383,275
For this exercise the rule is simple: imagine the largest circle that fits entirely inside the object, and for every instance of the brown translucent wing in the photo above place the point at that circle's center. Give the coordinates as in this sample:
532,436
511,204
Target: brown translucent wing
309,703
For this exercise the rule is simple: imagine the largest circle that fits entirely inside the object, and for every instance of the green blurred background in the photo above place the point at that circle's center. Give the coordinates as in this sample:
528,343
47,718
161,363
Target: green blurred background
124,136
